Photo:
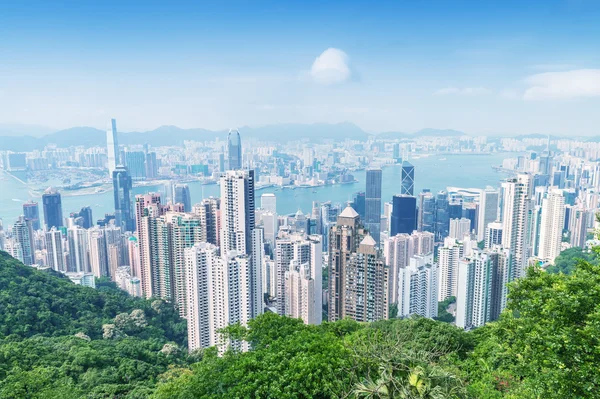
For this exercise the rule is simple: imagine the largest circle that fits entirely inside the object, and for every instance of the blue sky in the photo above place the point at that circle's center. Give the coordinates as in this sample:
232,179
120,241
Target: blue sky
482,67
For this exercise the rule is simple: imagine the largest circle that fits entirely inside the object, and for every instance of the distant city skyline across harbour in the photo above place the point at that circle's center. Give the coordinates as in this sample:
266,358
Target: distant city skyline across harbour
434,172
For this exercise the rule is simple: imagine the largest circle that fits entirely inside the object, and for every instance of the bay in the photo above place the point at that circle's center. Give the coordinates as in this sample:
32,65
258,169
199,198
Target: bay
434,172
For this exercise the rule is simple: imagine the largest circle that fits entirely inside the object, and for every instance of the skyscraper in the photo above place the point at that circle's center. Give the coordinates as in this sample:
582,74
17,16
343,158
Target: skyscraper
78,250
146,206
52,209
135,161
234,150
359,204
417,287
182,196
23,234
459,227
209,211
488,210
404,214
373,203
578,226
55,250
407,186
426,212
552,223
84,217
481,293
112,145
122,185
493,235
31,211
515,222
237,211
352,253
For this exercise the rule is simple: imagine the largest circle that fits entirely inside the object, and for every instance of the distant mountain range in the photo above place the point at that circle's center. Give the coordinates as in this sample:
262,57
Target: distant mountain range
19,140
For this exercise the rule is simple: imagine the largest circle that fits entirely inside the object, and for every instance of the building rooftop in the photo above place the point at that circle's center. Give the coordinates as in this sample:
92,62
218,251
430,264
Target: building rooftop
349,212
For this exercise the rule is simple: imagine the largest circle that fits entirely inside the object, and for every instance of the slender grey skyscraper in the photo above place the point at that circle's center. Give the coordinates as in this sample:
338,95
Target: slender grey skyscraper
52,208
234,150
122,194
31,211
408,179
112,145
373,203
182,196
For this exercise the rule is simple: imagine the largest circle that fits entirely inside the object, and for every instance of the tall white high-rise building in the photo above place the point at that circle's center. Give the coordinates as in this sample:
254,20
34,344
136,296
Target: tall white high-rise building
78,250
448,258
493,234
397,252
516,223
112,146
552,223
55,250
578,226
459,227
237,211
481,294
291,252
417,294
98,252
300,293
488,210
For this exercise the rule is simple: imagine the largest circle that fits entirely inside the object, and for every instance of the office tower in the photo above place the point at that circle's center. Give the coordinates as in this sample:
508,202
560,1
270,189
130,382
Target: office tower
459,227
470,211
209,211
22,232
373,203
83,218
578,226
234,150
78,250
552,223
151,166
237,211
269,223
98,252
293,252
448,257
182,196
359,204
352,253
55,251
515,222
122,186
112,256
52,204
205,283
268,202
442,216
300,293
31,211
146,206
481,293
404,214
417,287
488,210
493,235
221,163
396,152
135,161
426,212
184,232
398,250
407,186
112,145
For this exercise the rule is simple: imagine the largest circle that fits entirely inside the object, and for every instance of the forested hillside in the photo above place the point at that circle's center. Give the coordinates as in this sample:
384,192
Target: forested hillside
61,340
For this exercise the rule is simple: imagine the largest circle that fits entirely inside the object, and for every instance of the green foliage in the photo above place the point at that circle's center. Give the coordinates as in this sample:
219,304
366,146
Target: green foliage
393,311
546,344
52,345
568,259
443,314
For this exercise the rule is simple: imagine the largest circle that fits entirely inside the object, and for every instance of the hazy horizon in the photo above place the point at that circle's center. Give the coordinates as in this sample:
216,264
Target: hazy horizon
487,69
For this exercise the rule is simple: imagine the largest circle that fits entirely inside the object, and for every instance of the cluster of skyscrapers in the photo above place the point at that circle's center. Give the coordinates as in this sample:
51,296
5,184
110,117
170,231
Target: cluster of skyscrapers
228,259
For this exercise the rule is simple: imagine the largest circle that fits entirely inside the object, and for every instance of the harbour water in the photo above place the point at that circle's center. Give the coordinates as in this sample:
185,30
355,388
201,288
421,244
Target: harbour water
434,172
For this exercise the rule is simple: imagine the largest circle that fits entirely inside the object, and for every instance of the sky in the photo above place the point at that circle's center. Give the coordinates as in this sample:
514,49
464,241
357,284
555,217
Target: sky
487,67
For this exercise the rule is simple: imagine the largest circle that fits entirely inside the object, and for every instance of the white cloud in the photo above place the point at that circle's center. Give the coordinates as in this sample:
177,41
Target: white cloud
563,85
466,91
331,67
